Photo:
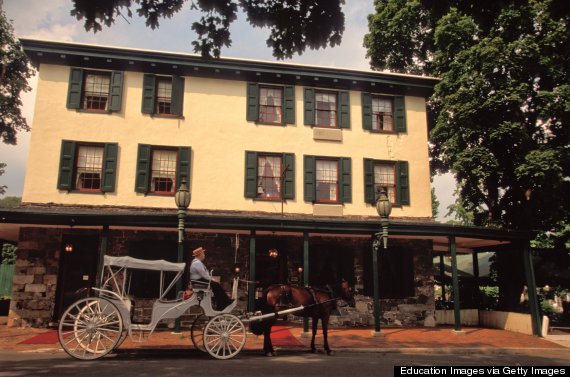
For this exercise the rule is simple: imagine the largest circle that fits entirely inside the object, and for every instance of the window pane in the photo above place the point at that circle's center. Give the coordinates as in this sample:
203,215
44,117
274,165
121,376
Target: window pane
269,177
382,114
327,181
88,168
325,107
385,177
270,103
163,95
96,91
163,175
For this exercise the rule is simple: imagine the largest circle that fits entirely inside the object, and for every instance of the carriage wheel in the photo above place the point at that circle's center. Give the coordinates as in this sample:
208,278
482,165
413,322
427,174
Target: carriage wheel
197,332
224,336
90,328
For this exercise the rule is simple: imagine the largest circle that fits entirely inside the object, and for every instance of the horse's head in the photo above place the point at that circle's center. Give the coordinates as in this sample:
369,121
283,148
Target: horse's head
347,294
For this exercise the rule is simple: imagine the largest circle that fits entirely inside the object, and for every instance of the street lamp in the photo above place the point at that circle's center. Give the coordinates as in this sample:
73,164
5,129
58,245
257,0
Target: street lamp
383,207
182,200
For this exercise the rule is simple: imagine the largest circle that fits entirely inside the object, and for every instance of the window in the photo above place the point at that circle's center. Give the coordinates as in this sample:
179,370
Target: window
99,91
160,169
269,176
327,180
385,178
383,113
162,95
391,175
270,104
326,108
163,173
87,167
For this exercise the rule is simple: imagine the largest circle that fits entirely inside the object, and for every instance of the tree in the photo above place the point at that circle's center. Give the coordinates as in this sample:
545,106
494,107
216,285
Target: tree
2,171
502,107
294,24
501,110
10,202
434,203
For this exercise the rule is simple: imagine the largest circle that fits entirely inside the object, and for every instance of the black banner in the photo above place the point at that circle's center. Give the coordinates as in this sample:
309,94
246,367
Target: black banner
470,371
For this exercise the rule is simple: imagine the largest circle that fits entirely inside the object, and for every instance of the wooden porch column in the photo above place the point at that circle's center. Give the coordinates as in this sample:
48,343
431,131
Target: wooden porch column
456,305
532,297
442,274
102,253
251,286
475,256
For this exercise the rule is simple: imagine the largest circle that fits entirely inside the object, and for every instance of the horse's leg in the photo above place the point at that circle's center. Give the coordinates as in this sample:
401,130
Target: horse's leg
325,325
267,344
315,322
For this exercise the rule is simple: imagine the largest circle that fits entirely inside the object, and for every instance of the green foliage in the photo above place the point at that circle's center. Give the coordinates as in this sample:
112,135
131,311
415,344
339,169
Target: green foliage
461,215
489,297
10,202
502,107
294,25
2,171
9,253
434,203
14,72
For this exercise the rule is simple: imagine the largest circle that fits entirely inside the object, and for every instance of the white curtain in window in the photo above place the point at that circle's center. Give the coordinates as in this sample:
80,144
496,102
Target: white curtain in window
269,170
164,164
90,159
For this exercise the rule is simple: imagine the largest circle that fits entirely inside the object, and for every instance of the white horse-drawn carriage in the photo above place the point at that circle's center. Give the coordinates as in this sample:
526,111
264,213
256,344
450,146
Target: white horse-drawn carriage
94,326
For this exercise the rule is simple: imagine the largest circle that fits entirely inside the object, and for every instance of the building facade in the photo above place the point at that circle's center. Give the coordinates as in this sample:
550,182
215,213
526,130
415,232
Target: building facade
277,157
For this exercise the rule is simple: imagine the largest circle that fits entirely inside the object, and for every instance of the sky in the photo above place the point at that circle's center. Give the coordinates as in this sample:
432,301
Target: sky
51,19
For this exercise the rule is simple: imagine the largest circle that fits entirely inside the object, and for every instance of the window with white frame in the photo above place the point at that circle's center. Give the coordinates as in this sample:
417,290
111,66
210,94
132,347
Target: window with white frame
326,188
269,176
382,114
89,167
163,172
95,94
325,109
270,104
385,178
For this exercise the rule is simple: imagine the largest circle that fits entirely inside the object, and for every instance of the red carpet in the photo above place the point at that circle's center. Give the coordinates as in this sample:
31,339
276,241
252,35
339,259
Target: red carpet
49,337
281,336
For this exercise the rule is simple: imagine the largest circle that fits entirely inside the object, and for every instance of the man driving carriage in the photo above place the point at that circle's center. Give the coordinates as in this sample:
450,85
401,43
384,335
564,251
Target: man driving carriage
199,274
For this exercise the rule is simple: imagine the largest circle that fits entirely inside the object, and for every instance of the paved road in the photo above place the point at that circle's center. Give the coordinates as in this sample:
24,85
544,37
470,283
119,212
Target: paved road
191,363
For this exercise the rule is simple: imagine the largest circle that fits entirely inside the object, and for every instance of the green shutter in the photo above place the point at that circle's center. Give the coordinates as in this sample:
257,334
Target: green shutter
177,98
183,166
309,100
289,178
110,167
74,89
369,194
116,91
143,168
148,94
250,175
400,113
344,109
66,165
309,178
289,105
366,111
252,111
402,183
346,180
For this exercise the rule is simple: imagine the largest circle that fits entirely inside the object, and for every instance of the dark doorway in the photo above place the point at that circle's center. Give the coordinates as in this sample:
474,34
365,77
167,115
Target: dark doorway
271,269
77,270
329,263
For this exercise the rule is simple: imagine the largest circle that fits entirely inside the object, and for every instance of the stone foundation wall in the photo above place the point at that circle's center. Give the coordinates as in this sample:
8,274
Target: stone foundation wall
38,260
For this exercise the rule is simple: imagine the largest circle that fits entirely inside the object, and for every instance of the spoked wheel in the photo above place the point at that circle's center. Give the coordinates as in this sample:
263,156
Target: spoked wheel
197,332
90,328
224,336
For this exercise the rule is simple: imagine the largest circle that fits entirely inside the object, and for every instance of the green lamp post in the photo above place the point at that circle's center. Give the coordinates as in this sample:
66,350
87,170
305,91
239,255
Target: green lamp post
182,200
384,208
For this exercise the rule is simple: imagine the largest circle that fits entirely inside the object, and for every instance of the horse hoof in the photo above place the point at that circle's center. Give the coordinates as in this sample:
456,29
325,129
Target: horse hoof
330,353
269,354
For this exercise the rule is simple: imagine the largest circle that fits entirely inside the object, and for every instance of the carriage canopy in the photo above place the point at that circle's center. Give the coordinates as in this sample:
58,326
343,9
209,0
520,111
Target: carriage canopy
154,265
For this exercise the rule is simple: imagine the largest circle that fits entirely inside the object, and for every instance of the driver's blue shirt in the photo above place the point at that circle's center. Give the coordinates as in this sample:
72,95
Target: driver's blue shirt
198,270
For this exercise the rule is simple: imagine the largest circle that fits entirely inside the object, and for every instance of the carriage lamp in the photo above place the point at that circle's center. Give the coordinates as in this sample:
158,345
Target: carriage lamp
273,253
68,248
384,208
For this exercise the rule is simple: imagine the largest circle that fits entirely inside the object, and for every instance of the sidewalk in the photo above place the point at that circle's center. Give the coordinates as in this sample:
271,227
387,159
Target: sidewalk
419,340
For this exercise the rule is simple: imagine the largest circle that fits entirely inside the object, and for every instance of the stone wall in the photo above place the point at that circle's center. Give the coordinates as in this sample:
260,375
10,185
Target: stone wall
37,267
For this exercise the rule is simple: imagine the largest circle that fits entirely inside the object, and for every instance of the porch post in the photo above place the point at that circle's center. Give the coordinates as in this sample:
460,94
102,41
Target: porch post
456,306
532,297
251,286
306,273
102,253
442,274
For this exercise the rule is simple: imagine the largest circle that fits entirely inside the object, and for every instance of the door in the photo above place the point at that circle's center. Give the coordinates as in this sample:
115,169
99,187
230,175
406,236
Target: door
77,269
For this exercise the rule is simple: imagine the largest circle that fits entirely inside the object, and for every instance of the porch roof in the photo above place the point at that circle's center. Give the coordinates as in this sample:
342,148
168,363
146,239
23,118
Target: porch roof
468,238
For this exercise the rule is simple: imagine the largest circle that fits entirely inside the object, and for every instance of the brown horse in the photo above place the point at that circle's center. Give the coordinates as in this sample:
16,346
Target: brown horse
318,303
